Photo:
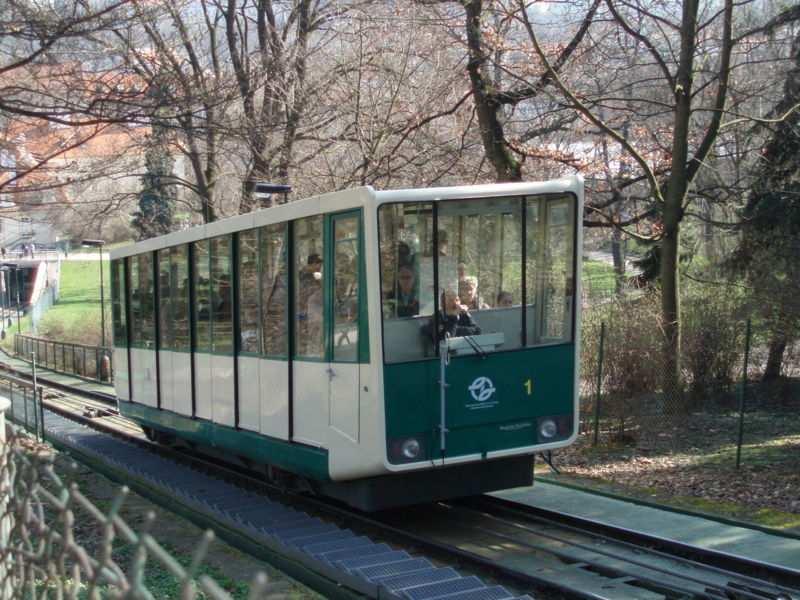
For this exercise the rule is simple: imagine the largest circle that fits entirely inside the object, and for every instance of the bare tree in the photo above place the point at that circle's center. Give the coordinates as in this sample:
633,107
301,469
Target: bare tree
691,46
58,91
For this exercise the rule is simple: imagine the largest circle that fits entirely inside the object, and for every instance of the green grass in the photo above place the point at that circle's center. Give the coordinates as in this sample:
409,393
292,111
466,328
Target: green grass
7,343
106,249
76,316
598,278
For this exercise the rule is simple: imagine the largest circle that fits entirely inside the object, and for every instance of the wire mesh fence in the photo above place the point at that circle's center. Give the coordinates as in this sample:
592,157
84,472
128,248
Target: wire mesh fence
42,513
722,408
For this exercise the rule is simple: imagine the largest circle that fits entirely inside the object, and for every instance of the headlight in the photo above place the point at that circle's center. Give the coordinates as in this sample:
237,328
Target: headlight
410,449
547,429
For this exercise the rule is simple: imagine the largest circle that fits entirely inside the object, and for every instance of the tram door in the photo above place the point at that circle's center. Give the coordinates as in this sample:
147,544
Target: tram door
344,308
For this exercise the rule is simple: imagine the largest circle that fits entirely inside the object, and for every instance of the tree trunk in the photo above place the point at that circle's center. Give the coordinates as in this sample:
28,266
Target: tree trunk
672,211
259,171
618,254
777,346
670,312
495,145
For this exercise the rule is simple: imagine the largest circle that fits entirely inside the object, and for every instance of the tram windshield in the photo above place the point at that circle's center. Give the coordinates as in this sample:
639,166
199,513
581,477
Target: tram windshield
501,277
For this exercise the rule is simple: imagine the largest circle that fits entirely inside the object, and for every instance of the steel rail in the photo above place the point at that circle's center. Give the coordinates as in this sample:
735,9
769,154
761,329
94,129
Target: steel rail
725,590
63,387
721,562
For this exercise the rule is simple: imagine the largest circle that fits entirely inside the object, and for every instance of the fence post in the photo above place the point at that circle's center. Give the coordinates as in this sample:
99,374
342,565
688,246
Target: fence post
742,393
37,409
599,383
6,521
25,406
41,411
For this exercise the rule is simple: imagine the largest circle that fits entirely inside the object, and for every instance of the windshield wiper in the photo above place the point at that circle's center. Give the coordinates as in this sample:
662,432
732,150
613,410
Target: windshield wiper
475,346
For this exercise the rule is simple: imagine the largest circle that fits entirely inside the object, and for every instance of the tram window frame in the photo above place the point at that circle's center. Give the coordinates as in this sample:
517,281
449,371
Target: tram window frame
249,297
119,294
165,313
354,351
134,302
535,335
142,335
276,234
315,230
423,231
570,314
201,265
179,298
222,339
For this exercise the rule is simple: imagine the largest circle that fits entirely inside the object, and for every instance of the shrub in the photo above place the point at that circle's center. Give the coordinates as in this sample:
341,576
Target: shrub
713,341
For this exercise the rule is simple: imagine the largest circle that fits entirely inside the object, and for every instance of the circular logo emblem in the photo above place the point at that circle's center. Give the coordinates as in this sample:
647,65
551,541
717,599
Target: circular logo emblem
482,389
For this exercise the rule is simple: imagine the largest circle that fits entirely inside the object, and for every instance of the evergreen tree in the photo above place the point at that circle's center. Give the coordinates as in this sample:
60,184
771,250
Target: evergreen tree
769,252
157,198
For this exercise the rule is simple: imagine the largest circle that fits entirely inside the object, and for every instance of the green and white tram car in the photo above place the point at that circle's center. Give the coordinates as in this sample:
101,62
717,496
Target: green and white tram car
383,347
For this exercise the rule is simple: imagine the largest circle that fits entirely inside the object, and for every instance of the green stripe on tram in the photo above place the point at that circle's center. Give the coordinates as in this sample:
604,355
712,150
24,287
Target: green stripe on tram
298,458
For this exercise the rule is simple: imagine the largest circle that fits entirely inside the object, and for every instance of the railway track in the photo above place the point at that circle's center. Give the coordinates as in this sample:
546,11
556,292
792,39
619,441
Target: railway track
511,546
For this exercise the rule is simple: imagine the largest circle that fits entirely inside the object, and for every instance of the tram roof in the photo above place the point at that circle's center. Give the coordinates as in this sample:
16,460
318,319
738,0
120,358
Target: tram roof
343,200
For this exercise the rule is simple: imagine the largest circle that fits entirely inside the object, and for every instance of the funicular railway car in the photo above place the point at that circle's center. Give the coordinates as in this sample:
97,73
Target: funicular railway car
382,347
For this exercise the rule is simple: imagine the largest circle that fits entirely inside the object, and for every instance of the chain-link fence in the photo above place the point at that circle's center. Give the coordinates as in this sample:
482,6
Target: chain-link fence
721,409
44,521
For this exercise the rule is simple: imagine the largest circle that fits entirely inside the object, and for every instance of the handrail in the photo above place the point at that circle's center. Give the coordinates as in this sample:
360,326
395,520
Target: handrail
94,363
26,408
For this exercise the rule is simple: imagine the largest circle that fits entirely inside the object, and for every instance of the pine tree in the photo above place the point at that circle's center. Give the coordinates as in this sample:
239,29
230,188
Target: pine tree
157,198
770,244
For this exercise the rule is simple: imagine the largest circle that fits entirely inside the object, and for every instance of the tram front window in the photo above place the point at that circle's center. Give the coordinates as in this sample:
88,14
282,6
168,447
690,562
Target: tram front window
494,257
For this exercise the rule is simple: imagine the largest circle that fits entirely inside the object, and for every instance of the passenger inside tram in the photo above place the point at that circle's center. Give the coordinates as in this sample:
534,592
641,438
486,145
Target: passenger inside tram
454,318
504,299
468,293
406,296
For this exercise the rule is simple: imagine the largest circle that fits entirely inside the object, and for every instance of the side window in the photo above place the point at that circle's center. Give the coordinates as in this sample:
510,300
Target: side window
165,332
534,267
308,284
274,291
179,295
249,320
221,295
550,265
202,297
135,299
345,288
146,297
407,294
558,283
118,303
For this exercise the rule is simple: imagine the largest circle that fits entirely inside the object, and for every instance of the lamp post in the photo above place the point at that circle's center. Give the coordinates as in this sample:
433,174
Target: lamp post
8,295
19,285
263,191
4,299
99,245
